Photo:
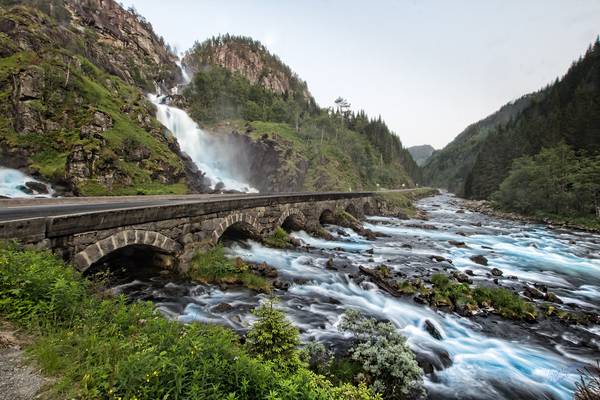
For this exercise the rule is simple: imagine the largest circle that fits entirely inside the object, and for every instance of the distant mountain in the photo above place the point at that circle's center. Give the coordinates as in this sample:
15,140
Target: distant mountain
421,153
567,111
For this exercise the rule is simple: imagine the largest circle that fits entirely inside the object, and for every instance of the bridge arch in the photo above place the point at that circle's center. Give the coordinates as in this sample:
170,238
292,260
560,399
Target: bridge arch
292,216
326,216
120,240
242,220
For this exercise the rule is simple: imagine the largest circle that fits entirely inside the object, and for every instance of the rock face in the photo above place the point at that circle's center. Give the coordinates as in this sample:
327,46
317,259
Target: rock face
250,59
74,110
421,153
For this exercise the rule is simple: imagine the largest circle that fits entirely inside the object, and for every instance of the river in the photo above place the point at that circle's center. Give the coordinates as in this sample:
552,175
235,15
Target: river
490,358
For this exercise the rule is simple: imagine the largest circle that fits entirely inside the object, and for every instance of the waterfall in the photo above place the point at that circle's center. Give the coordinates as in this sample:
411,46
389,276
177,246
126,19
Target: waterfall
211,155
14,183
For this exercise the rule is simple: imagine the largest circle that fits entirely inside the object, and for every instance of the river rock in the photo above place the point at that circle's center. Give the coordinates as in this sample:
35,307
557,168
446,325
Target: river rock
457,243
265,270
461,211
479,259
496,272
37,187
533,293
281,284
551,297
438,258
24,189
469,272
432,330
462,277
222,307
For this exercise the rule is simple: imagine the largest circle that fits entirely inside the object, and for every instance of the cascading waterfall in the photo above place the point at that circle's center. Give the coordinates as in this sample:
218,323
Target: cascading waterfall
212,156
13,184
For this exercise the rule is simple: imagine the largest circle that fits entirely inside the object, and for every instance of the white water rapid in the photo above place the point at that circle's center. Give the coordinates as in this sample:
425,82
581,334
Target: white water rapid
13,184
211,155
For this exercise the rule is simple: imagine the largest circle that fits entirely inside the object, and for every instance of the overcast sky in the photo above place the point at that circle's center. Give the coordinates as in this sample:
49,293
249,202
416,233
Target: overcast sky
430,68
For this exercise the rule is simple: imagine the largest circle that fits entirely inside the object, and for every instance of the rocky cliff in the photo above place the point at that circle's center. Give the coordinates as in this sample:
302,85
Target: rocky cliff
250,59
73,110
421,153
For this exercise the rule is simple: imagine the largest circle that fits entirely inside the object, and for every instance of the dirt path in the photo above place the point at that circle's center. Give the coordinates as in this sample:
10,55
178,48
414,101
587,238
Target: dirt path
18,380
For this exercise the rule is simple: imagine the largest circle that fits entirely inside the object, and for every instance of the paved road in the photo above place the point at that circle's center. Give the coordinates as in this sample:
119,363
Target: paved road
18,209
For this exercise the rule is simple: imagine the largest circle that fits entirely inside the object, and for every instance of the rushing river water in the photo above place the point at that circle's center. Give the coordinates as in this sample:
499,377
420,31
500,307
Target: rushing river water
480,358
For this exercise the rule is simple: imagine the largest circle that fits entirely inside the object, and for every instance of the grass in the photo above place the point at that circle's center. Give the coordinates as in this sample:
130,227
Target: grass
506,303
279,239
213,267
403,201
99,347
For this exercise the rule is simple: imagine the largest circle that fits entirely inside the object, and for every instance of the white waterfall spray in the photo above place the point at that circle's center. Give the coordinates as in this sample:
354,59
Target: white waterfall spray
210,155
13,184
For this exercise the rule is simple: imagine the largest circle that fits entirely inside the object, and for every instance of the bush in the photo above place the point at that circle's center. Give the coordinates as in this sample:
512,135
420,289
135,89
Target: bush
214,267
274,338
108,349
279,239
387,361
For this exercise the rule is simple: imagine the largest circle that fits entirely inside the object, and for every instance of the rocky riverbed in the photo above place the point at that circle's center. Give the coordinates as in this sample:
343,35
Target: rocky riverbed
477,353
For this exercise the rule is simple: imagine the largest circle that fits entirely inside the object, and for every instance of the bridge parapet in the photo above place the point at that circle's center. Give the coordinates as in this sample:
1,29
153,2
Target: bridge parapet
177,230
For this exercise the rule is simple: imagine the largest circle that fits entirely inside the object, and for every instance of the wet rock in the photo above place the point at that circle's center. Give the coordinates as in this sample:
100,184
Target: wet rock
461,211
553,298
369,251
457,243
533,293
432,330
406,246
462,277
496,272
37,187
281,284
479,259
329,263
461,234
265,270
222,307
469,272
541,287
496,281
439,258
423,226
513,278
24,189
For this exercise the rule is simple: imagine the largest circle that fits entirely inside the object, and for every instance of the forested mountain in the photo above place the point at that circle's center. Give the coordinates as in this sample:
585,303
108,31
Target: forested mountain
72,79
449,167
242,90
514,149
421,153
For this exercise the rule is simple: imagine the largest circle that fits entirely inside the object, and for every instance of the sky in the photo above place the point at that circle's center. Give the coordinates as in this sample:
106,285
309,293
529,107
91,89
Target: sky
429,68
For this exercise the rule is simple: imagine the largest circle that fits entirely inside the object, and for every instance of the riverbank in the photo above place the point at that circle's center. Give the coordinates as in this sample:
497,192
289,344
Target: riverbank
486,207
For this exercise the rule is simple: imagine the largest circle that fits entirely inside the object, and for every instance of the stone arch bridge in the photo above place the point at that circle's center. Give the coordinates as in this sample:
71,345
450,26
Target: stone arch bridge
173,229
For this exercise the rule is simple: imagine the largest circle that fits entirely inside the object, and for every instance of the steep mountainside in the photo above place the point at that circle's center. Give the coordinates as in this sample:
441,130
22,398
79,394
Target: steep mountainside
421,153
73,111
449,167
251,99
568,111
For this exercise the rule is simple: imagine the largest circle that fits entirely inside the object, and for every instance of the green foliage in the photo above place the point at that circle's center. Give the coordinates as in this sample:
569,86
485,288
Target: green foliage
386,359
403,201
279,239
555,181
460,295
104,348
212,266
274,338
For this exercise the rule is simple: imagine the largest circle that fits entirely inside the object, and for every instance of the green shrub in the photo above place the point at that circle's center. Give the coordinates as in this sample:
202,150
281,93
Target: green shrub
387,361
214,267
279,239
507,303
274,338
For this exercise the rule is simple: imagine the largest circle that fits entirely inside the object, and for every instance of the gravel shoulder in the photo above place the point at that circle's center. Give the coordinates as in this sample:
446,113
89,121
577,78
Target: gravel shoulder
18,380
